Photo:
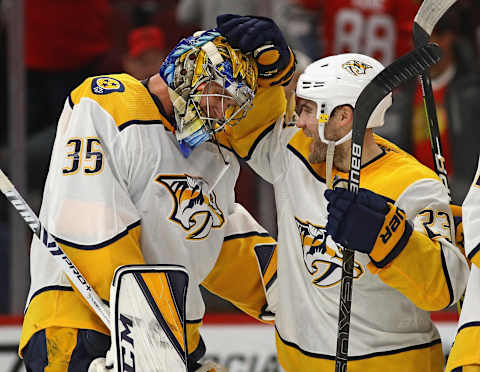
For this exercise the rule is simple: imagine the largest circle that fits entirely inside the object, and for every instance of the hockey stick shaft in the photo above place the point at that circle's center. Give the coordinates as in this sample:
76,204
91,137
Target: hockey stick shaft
405,68
78,280
427,17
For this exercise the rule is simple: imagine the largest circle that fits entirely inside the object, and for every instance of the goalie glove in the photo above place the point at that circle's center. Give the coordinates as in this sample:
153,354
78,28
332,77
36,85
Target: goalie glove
262,37
366,222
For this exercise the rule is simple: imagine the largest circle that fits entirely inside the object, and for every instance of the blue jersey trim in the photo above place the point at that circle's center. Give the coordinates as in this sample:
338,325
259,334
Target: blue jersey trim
100,245
359,357
245,235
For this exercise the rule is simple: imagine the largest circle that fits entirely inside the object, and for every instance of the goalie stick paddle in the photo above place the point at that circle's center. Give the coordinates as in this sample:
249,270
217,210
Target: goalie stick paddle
405,68
425,20
93,299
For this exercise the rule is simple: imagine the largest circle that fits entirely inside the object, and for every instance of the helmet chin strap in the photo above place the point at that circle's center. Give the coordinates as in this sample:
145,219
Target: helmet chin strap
329,160
330,150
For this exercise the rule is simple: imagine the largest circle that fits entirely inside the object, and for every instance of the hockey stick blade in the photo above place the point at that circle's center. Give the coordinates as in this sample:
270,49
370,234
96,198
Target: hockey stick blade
405,68
427,17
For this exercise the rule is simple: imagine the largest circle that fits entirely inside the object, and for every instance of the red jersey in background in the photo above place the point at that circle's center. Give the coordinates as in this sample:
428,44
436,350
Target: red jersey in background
381,29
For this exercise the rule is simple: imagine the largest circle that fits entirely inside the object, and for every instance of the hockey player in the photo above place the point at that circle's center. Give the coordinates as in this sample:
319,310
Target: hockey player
125,188
396,284
465,355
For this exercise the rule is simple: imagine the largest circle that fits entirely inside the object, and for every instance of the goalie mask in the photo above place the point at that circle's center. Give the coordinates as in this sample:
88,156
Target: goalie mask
336,81
200,70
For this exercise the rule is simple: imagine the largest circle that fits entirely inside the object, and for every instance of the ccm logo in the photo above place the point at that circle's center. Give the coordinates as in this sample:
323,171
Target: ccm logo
126,345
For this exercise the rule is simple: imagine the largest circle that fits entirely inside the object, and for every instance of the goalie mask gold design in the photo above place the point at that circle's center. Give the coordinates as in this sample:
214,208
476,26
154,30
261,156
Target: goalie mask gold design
197,64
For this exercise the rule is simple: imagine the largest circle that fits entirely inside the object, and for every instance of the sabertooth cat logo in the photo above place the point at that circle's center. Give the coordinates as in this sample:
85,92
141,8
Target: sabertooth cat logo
356,67
195,211
323,261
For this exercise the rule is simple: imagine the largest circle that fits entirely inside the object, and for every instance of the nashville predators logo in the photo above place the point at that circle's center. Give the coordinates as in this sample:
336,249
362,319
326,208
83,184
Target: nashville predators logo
322,257
105,85
356,67
194,210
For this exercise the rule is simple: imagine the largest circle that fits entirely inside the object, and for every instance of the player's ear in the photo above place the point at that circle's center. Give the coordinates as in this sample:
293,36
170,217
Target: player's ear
345,115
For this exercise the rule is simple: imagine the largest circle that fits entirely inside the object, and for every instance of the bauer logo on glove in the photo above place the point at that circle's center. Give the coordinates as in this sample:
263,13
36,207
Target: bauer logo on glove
367,222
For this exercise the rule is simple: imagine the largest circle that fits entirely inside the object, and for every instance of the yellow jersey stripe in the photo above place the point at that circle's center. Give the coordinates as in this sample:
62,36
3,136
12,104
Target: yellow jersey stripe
57,307
426,357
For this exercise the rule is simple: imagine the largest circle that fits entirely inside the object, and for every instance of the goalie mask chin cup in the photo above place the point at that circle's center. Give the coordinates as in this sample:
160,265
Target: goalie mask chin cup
210,85
336,81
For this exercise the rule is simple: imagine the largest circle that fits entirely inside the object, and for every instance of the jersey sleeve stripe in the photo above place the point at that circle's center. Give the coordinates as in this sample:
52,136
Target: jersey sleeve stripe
49,288
100,245
70,101
244,235
474,252
139,122
469,324
447,276
257,141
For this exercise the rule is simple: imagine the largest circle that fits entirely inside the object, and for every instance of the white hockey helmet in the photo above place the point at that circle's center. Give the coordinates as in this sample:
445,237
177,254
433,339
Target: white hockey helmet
338,80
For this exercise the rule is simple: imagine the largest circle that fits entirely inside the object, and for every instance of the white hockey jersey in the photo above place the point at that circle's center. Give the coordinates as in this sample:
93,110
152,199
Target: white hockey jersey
119,191
390,327
466,350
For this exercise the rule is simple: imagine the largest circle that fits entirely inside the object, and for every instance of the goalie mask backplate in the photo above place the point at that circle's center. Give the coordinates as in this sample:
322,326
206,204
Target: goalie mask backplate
148,318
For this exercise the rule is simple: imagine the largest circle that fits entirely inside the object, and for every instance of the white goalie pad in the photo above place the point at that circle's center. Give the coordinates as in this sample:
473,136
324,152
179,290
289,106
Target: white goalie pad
147,305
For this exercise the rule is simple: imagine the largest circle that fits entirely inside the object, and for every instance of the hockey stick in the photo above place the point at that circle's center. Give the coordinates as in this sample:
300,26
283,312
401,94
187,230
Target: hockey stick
425,20
130,329
88,293
405,68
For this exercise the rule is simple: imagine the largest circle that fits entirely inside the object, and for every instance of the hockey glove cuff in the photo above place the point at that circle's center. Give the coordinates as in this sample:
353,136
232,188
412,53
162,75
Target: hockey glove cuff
368,223
262,37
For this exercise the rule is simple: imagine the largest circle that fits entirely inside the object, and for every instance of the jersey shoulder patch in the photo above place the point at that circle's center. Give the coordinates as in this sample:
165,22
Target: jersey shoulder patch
122,96
106,85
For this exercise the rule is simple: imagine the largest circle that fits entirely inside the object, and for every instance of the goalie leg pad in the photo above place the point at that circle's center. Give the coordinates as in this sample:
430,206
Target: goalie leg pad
147,305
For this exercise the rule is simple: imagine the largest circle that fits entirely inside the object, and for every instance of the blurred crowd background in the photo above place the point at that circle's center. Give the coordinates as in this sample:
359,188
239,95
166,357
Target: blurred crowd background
65,41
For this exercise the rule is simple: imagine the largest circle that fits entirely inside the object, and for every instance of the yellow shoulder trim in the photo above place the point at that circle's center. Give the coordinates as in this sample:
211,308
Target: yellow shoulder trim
394,172
268,105
122,96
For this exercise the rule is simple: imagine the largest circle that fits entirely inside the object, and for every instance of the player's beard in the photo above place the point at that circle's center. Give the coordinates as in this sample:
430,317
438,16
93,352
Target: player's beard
318,151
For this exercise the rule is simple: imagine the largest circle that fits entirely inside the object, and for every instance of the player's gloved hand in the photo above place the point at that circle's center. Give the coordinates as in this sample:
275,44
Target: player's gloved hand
259,35
367,223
